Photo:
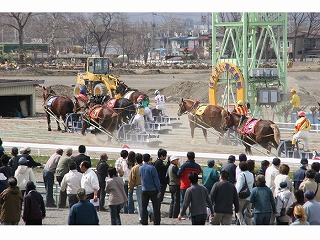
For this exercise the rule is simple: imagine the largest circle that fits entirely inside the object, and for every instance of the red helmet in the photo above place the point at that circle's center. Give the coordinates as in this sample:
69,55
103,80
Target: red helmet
141,97
301,114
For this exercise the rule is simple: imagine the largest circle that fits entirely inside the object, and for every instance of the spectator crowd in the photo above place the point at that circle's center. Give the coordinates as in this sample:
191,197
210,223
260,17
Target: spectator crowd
235,193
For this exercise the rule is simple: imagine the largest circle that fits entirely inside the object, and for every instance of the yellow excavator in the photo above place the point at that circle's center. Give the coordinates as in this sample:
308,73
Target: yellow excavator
97,80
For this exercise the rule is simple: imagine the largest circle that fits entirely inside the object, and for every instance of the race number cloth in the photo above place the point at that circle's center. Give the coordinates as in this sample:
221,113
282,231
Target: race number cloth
200,110
111,102
50,101
249,126
95,112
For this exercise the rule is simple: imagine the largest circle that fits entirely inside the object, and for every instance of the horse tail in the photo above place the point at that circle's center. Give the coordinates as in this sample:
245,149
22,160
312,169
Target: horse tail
276,132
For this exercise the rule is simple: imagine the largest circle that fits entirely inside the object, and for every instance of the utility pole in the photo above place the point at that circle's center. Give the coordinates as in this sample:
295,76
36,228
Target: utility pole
153,33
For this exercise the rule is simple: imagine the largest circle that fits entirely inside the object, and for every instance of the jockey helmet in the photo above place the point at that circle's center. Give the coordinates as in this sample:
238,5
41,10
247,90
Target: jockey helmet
292,90
82,90
140,101
156,92
141,97
301,114
240,102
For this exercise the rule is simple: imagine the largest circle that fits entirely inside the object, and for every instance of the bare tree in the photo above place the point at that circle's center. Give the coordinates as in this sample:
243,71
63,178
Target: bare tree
101,27
313,21
18,22
298,20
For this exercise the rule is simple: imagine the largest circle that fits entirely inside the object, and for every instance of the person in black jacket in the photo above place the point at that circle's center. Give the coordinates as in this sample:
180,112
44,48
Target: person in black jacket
162,171
13,162
102,173
31,162
230,167
81,157
34,210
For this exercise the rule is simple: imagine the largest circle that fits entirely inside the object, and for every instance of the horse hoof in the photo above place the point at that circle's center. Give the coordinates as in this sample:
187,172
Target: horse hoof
49,129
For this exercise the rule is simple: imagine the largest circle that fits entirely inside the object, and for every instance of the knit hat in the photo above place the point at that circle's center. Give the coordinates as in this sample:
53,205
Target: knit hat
283,184
242,157
304,161
210,163
22,161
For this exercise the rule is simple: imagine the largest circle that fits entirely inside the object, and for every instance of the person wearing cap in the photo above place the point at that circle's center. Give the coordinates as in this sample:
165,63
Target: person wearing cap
83,212
242,158
210,175
61,170
312,208
174,187
284,200
33,206
48,176
295,100
309,183
11,203
23,174
230,167
13,162
160,101
300,174
301,130
31,162
225,200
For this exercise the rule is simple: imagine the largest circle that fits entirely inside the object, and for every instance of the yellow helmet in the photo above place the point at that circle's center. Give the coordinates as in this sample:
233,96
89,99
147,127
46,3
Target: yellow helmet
292,90
240,102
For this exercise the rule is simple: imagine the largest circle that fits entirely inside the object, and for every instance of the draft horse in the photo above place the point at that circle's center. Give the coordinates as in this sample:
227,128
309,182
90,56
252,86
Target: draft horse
253,131
56,106
210,117
103,119
129,93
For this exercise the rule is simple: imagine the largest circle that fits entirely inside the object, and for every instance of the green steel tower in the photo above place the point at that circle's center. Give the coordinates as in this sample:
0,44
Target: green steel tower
250,62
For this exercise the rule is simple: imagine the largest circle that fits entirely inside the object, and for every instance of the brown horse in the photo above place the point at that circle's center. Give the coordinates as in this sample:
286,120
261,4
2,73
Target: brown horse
80,104
129,93
103,119
209,118
56,106
253,131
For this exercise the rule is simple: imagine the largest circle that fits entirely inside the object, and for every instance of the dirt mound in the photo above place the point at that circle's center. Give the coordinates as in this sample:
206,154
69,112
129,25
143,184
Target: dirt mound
61,90
152,71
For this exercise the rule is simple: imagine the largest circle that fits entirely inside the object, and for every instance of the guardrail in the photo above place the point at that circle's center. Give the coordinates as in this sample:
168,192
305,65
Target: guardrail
290,127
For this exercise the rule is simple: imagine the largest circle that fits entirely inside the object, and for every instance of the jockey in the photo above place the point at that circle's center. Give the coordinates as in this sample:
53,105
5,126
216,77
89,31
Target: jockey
160,101
83,95
301,130
242,109
139,117
147,111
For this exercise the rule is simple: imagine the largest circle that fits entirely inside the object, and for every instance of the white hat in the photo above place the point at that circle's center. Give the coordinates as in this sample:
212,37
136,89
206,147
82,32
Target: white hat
172,158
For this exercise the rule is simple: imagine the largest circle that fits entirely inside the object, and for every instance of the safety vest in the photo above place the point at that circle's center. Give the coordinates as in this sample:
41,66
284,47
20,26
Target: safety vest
242,110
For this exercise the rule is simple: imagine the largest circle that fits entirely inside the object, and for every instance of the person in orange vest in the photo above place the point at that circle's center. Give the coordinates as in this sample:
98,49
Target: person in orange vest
301,130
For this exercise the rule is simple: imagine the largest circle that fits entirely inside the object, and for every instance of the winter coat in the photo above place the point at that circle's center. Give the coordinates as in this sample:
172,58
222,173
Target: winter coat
285,198
24,174
33,208
11,205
